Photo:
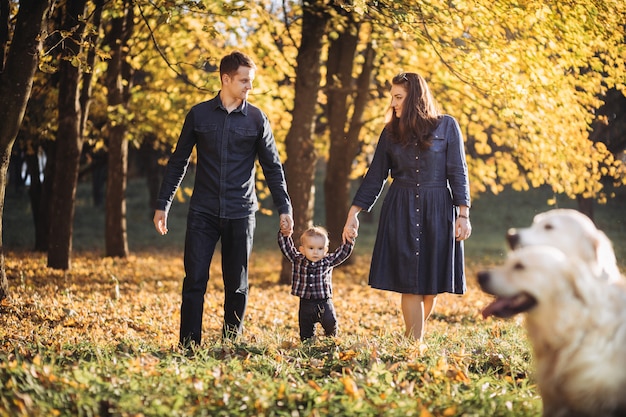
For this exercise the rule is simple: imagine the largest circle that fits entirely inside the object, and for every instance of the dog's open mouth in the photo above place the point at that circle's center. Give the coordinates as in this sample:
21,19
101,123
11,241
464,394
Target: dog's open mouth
506,307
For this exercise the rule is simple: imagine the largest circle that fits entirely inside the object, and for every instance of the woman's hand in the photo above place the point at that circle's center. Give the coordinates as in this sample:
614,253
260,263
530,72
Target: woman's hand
463,228
351,228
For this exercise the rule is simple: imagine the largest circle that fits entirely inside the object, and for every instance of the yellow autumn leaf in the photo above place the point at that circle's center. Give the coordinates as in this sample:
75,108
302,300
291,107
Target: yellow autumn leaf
350,386
425,413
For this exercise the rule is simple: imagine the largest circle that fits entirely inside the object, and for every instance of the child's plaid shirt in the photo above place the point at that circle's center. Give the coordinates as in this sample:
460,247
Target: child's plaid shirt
312,280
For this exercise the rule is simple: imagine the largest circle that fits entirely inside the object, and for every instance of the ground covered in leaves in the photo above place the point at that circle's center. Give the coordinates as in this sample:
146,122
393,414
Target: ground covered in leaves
100,340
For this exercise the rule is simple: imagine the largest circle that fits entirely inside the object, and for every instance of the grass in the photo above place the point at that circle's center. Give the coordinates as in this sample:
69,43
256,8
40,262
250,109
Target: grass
100,340
83,343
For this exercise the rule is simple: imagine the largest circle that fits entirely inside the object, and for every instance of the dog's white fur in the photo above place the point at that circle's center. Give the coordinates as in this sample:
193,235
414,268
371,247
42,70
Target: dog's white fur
577,328
575,234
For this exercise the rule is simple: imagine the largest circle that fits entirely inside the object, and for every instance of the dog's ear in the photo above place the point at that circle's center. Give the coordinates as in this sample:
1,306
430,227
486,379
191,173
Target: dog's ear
605,256
581,280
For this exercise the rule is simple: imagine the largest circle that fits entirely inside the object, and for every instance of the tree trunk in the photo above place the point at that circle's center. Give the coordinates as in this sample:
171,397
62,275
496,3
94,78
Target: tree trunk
118,81
339,87
343,92
116,242
585,206
16,80
610,129
35,192
42,227
69,140
151,152
301,156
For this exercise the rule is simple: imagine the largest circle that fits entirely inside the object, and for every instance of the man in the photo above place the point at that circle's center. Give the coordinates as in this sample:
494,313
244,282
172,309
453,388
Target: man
229,135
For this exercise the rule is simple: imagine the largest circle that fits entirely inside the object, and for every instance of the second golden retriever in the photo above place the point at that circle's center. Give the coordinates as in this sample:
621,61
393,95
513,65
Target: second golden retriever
576,325
575,234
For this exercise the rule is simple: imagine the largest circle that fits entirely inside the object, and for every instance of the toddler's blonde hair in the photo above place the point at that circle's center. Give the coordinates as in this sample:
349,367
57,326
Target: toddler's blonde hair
315,231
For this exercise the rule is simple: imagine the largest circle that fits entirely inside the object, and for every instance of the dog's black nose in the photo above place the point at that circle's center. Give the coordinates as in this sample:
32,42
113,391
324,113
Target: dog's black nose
512,237
483,278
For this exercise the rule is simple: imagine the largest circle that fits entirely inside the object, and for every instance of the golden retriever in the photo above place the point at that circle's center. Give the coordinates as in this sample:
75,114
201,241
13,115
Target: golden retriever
576,325
573,233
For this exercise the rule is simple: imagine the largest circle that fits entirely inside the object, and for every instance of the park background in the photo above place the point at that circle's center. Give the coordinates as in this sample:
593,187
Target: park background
90,293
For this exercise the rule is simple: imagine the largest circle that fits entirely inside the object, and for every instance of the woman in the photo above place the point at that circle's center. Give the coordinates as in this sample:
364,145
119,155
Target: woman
425,214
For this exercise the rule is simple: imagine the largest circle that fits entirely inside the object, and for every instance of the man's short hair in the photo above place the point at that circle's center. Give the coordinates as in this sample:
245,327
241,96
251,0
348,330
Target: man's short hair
231,63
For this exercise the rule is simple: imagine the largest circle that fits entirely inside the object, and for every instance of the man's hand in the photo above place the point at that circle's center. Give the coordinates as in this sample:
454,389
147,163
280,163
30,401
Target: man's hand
286,224
160,221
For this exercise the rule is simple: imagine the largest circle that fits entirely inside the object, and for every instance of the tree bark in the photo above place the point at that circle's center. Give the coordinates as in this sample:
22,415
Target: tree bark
585,206
16,80
610,129
301,155
118,80
151,152
42,227
344,93
35,192
69,140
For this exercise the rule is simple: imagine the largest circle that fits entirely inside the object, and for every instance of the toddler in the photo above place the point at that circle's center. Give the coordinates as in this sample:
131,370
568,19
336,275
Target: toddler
311,278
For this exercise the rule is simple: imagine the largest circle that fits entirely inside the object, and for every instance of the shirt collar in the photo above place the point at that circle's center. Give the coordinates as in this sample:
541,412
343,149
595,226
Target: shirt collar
243,107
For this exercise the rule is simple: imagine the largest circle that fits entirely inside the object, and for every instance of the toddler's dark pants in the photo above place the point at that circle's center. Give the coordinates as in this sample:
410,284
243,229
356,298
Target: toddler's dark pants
317,311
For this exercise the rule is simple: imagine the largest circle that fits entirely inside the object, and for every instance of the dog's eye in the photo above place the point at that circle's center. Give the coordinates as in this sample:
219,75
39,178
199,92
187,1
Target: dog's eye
548,226
518,266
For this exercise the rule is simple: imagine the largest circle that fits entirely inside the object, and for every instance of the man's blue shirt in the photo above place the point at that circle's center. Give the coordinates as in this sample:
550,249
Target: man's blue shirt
227,146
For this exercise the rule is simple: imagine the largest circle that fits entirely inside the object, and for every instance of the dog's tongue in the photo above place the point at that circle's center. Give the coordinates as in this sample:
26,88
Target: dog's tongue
496,307
505,307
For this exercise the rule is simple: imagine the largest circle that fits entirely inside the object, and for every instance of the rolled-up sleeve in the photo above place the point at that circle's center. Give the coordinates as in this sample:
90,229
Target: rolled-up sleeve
272,169
376,176
177,164
456,165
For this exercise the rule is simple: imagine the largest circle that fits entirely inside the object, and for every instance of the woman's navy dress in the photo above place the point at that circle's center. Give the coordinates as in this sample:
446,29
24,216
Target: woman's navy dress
415,250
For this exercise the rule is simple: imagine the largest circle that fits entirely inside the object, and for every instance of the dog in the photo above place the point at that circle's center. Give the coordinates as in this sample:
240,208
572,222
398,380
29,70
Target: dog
573,233
576,325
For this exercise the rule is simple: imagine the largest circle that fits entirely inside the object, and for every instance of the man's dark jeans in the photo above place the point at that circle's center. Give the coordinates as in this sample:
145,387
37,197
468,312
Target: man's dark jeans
203,233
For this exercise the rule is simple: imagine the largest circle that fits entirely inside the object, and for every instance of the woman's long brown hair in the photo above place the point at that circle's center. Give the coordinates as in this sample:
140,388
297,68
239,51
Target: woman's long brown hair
420,115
